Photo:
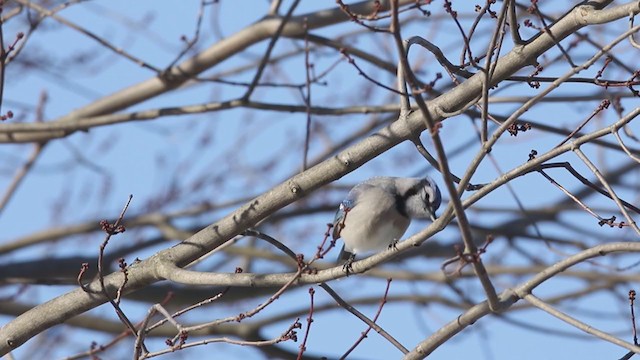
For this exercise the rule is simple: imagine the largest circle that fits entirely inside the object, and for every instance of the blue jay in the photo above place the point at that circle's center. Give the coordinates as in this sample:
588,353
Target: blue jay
377,212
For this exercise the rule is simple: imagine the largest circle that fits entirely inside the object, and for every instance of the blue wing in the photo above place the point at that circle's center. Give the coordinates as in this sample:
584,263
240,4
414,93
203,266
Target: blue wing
340,214
337,227
347,204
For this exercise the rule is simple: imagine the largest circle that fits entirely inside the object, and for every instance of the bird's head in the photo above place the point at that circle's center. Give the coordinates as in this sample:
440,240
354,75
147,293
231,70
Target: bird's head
421,197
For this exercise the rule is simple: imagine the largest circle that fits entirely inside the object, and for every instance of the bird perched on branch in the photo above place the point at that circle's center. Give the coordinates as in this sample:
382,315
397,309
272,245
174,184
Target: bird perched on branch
377,212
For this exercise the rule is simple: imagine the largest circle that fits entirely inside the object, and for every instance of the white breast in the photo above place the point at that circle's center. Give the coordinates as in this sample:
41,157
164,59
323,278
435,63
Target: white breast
373,223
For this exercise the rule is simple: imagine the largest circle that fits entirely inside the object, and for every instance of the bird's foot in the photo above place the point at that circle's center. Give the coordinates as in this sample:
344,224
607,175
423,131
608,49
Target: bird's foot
347,268
393,245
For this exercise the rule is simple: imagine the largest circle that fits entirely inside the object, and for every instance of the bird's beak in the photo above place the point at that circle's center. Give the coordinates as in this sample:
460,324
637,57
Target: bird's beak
432,215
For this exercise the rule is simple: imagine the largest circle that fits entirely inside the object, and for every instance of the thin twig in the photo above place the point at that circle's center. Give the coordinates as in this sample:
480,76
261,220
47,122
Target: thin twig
363,335
20,175
267,55
362,317
307,96
303,346
537,302
48,13
607,186
112,229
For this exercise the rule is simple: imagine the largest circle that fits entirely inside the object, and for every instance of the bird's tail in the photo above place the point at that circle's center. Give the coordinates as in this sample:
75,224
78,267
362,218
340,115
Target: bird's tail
344,256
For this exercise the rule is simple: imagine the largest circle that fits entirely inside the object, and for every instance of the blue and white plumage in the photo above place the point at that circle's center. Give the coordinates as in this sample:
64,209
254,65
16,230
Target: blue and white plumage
377,212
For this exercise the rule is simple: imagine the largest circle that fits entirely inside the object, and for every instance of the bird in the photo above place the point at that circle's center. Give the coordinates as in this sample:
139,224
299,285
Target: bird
377,212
